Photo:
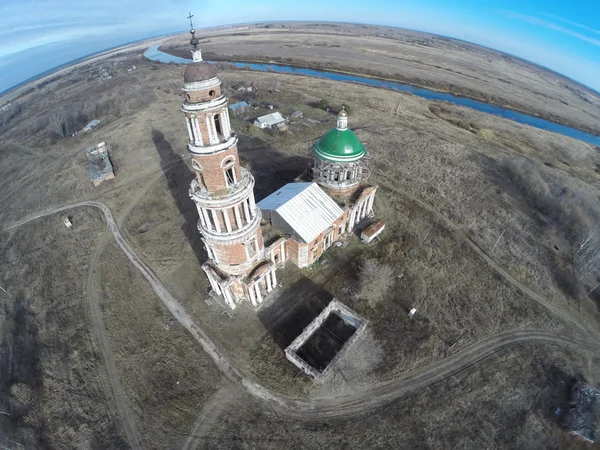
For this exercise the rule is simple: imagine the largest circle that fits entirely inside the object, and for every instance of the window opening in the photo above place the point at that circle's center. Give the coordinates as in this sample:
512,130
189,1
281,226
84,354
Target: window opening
252,247
230,176
218,124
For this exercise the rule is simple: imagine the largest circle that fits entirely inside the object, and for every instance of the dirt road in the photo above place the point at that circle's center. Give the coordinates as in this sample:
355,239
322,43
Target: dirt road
116,388
345,405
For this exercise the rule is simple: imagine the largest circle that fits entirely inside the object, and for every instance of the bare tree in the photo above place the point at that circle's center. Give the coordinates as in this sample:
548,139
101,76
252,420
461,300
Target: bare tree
586,260
57,122
376,279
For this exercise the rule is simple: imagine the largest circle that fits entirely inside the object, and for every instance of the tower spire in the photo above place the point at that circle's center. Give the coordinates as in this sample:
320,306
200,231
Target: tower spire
196,52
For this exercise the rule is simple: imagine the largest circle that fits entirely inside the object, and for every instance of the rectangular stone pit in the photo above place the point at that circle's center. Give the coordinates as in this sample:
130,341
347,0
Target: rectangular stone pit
325,339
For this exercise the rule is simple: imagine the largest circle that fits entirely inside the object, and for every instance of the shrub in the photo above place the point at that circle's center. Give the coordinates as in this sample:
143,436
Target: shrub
323,104
376,279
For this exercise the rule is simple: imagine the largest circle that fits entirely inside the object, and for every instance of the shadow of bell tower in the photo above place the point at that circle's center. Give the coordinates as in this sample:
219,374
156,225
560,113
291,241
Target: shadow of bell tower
179,177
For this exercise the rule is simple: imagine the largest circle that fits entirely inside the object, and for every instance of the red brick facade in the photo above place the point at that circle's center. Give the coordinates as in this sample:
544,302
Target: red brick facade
212,175
203,96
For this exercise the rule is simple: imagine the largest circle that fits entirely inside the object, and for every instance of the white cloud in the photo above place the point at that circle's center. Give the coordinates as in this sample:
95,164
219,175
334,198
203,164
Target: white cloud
570,22
552,26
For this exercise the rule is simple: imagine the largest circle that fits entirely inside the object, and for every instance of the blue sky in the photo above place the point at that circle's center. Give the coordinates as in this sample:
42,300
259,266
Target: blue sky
36,35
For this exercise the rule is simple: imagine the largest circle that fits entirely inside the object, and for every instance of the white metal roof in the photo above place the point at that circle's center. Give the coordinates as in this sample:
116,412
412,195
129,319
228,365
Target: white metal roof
305,207
271,119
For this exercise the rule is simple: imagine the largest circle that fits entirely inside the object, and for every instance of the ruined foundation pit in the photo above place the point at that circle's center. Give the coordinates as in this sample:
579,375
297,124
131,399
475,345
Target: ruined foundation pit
325,339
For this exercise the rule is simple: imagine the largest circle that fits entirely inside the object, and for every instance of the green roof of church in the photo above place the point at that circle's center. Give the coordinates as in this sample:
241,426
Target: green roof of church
339,146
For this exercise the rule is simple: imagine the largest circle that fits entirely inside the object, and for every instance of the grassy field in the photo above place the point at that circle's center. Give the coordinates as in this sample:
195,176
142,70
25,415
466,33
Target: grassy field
53,384
449,178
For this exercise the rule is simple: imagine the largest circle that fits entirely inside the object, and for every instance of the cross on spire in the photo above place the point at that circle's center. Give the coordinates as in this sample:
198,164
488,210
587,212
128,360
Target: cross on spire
190,17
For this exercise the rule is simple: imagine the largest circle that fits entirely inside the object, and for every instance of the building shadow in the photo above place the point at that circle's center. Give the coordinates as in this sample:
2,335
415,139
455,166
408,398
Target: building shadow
271,169
294,309
179,177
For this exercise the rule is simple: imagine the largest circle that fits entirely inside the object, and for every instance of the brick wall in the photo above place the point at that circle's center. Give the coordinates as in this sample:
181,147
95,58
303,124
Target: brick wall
205,95
340,193
213,177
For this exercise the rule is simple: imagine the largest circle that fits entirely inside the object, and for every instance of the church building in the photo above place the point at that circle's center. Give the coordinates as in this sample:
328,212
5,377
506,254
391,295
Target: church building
311,215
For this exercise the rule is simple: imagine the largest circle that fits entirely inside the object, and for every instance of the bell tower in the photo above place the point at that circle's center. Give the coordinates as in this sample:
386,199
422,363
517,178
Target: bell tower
223,191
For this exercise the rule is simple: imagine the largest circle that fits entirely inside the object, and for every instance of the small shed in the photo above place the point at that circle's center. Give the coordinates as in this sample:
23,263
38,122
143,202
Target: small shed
372,231
101,169
240,107
269,120
297,115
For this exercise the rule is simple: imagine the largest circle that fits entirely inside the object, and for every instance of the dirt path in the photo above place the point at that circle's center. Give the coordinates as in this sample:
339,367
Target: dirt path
345,405
99,330
210,414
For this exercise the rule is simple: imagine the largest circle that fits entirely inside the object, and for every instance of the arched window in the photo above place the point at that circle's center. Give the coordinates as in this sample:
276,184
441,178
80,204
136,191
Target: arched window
228,166
212,93
196,165
218,125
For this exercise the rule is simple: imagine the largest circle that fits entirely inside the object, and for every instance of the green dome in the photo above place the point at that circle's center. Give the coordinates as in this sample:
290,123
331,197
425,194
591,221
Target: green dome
339,145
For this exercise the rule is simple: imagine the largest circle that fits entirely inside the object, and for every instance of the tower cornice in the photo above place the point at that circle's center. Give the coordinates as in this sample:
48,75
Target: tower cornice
204,106
212,149
232,196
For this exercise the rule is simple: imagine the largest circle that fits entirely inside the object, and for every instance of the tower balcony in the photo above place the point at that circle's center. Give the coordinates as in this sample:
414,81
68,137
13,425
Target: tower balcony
231,195
224,236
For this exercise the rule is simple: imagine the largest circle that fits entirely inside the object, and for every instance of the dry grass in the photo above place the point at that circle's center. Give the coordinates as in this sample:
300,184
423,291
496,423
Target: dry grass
164,371
506,402
52,378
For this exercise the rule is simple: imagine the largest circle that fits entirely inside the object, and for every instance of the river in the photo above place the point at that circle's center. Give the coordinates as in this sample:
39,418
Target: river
154,54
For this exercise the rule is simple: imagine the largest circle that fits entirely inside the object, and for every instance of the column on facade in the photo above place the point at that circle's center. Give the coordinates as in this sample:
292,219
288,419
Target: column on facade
227,123
282,252
238,217
274,278
214,284
189,128
228,298
252,293
259,298
208,250
196,130
269,285
225,213
216,220
371,200
204,214
252,205
364,208
246,211
212,135
202,219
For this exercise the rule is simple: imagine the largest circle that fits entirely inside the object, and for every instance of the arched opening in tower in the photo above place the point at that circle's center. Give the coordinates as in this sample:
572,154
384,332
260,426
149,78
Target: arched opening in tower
218,125
230,175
